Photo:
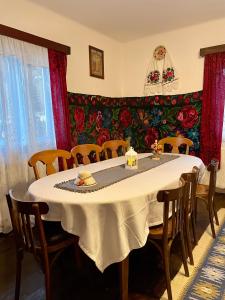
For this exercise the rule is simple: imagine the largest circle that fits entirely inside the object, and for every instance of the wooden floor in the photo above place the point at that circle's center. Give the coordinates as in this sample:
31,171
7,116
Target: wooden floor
146,280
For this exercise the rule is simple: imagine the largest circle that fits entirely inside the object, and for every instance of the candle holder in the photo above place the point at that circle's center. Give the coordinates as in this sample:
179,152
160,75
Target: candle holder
131,159
156,150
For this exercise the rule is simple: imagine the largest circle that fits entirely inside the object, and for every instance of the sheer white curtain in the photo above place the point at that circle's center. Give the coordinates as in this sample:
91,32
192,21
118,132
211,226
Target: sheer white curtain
26,118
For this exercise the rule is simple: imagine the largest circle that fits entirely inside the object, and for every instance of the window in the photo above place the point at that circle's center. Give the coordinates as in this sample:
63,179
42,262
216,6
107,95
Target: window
26,116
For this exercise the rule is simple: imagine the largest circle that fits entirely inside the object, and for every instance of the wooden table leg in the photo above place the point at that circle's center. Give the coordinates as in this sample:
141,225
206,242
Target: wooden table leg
124,275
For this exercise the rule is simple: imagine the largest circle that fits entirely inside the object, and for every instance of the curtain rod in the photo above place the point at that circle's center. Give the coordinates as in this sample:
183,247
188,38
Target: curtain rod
212,50
33,39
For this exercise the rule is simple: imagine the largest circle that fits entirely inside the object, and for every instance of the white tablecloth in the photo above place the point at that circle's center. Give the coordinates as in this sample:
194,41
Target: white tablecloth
114,220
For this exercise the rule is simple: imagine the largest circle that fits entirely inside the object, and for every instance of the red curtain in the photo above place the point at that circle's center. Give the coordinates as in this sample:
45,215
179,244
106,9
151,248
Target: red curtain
212,107
58,66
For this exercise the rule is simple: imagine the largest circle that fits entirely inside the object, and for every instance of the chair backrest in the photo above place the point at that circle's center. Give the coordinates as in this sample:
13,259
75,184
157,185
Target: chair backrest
192,181
113,146
176,142
84,151
212,168
48,157
20,214
173,200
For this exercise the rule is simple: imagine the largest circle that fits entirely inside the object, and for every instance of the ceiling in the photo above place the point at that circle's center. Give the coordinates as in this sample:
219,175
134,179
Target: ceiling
127,20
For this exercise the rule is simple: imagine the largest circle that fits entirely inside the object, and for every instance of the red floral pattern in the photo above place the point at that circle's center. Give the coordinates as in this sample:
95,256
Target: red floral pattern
153,77
151,135
79,118
144,119
168,75
103,136
188,116
125,117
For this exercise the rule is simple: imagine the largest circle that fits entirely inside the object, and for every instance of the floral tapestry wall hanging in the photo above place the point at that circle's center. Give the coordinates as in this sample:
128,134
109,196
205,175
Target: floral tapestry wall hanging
95,119
161,75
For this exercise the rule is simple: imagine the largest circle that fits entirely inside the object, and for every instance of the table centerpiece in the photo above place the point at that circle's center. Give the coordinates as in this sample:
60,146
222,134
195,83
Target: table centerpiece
156,150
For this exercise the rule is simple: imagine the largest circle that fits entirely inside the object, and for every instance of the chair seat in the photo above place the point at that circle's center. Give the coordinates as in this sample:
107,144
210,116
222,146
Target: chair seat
54,232
202,190
55,240
156,232
58,237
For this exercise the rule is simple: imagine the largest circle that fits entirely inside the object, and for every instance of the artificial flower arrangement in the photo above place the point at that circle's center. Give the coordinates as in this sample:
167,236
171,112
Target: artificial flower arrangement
157,150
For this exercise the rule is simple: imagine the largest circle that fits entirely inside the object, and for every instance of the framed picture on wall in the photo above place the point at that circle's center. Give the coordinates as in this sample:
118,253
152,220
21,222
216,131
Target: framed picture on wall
96,62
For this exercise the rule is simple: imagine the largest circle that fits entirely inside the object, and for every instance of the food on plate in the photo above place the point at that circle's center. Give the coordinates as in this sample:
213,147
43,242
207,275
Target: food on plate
84,178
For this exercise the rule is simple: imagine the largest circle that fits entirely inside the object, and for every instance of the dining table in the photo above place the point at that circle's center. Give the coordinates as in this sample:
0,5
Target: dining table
112,217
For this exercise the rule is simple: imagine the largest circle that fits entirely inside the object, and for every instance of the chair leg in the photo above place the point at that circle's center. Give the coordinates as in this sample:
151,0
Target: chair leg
215,213
195,209
193,223
183,252
19,258
47,279
167,270
210,209
188,237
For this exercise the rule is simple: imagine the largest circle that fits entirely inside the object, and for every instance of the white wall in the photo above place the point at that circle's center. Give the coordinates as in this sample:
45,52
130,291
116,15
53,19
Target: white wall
37,20
125,64
183,46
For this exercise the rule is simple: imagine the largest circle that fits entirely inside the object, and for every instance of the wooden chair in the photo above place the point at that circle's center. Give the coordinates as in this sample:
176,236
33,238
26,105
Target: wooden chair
48,157
33,239
85,151
189,210
176,142
207,192
162,236
113,146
